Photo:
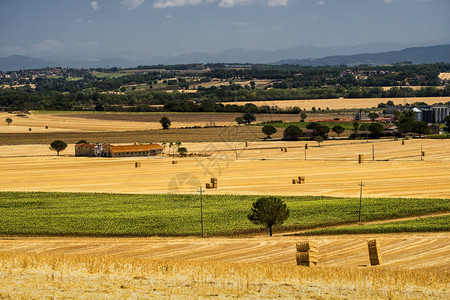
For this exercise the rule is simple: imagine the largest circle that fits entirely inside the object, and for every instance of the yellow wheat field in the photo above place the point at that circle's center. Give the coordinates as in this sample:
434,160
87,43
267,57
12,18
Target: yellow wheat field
260,168
346,103
36,275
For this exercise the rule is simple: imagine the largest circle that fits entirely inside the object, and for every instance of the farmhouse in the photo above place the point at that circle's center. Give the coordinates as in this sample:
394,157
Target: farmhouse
107,150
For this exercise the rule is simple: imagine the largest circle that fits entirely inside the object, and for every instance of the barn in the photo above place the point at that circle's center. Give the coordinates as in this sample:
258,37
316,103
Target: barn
107,150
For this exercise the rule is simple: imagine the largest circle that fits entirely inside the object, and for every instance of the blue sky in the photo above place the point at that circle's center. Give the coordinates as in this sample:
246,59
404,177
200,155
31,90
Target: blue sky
139,28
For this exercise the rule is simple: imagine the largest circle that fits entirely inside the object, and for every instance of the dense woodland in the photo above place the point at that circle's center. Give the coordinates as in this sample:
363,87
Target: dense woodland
80,89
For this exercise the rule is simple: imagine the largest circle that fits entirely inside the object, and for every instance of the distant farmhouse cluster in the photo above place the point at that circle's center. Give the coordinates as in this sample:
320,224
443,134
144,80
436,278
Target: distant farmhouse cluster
427,113
107,150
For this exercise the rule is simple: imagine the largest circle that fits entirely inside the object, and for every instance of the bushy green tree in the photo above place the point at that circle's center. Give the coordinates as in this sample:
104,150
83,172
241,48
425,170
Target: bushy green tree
376,129
268,211
165,122
373,116
8,120
292,132
338,129
321,130
269,130
248,118
319,139
58,146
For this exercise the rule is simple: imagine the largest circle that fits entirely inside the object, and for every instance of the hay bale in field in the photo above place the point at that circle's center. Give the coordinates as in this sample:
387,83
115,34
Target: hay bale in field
294,181
137,164
307,264
208,185
403,142
360,158
285,149
29,129
174,162
423,153
374,252
307,246
46,127
301,179
282,149
246,143
306,146
308,256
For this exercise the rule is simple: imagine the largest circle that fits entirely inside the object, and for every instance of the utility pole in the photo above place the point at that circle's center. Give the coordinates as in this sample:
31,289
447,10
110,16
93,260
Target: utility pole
421,152
360,200
306,148
373,152
201,209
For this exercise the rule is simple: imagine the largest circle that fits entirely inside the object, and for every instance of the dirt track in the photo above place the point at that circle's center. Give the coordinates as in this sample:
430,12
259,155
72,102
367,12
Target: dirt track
406,251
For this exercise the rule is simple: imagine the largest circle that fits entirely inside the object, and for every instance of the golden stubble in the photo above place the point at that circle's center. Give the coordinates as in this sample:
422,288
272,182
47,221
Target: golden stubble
37,276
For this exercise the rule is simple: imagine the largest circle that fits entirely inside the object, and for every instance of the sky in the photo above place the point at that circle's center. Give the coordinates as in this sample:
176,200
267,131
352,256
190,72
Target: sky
139,28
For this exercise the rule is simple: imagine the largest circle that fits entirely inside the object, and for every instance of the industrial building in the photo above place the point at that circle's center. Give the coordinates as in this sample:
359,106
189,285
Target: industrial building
107,150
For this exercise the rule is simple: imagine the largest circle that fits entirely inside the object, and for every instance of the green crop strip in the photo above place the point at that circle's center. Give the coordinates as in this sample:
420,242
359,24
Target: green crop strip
96,214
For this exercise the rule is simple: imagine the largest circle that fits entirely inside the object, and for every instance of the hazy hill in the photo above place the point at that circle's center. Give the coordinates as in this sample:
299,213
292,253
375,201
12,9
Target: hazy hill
416,55
20,62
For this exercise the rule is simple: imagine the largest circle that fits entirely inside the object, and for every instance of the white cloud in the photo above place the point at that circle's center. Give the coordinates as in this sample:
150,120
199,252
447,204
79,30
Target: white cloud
221,3
174,3
169,17
48,45
321,2
94,5
132,4
231,3
277,3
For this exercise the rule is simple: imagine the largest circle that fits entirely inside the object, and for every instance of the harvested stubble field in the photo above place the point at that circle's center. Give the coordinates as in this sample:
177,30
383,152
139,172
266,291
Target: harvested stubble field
346,103
63,122
415,267
63,276
261,168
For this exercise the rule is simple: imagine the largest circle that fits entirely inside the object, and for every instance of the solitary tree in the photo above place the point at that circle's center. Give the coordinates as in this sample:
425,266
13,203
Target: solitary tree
319,139
373,116
303,116
182,151
338,129
165,122
8,120
268,211
58,146
269,130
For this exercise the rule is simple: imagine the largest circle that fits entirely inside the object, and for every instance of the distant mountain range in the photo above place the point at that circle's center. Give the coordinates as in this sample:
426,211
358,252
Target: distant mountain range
20,62
416,55
304,55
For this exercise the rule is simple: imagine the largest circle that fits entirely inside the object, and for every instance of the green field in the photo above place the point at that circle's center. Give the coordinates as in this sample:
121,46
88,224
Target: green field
431,224
109,75
25,213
